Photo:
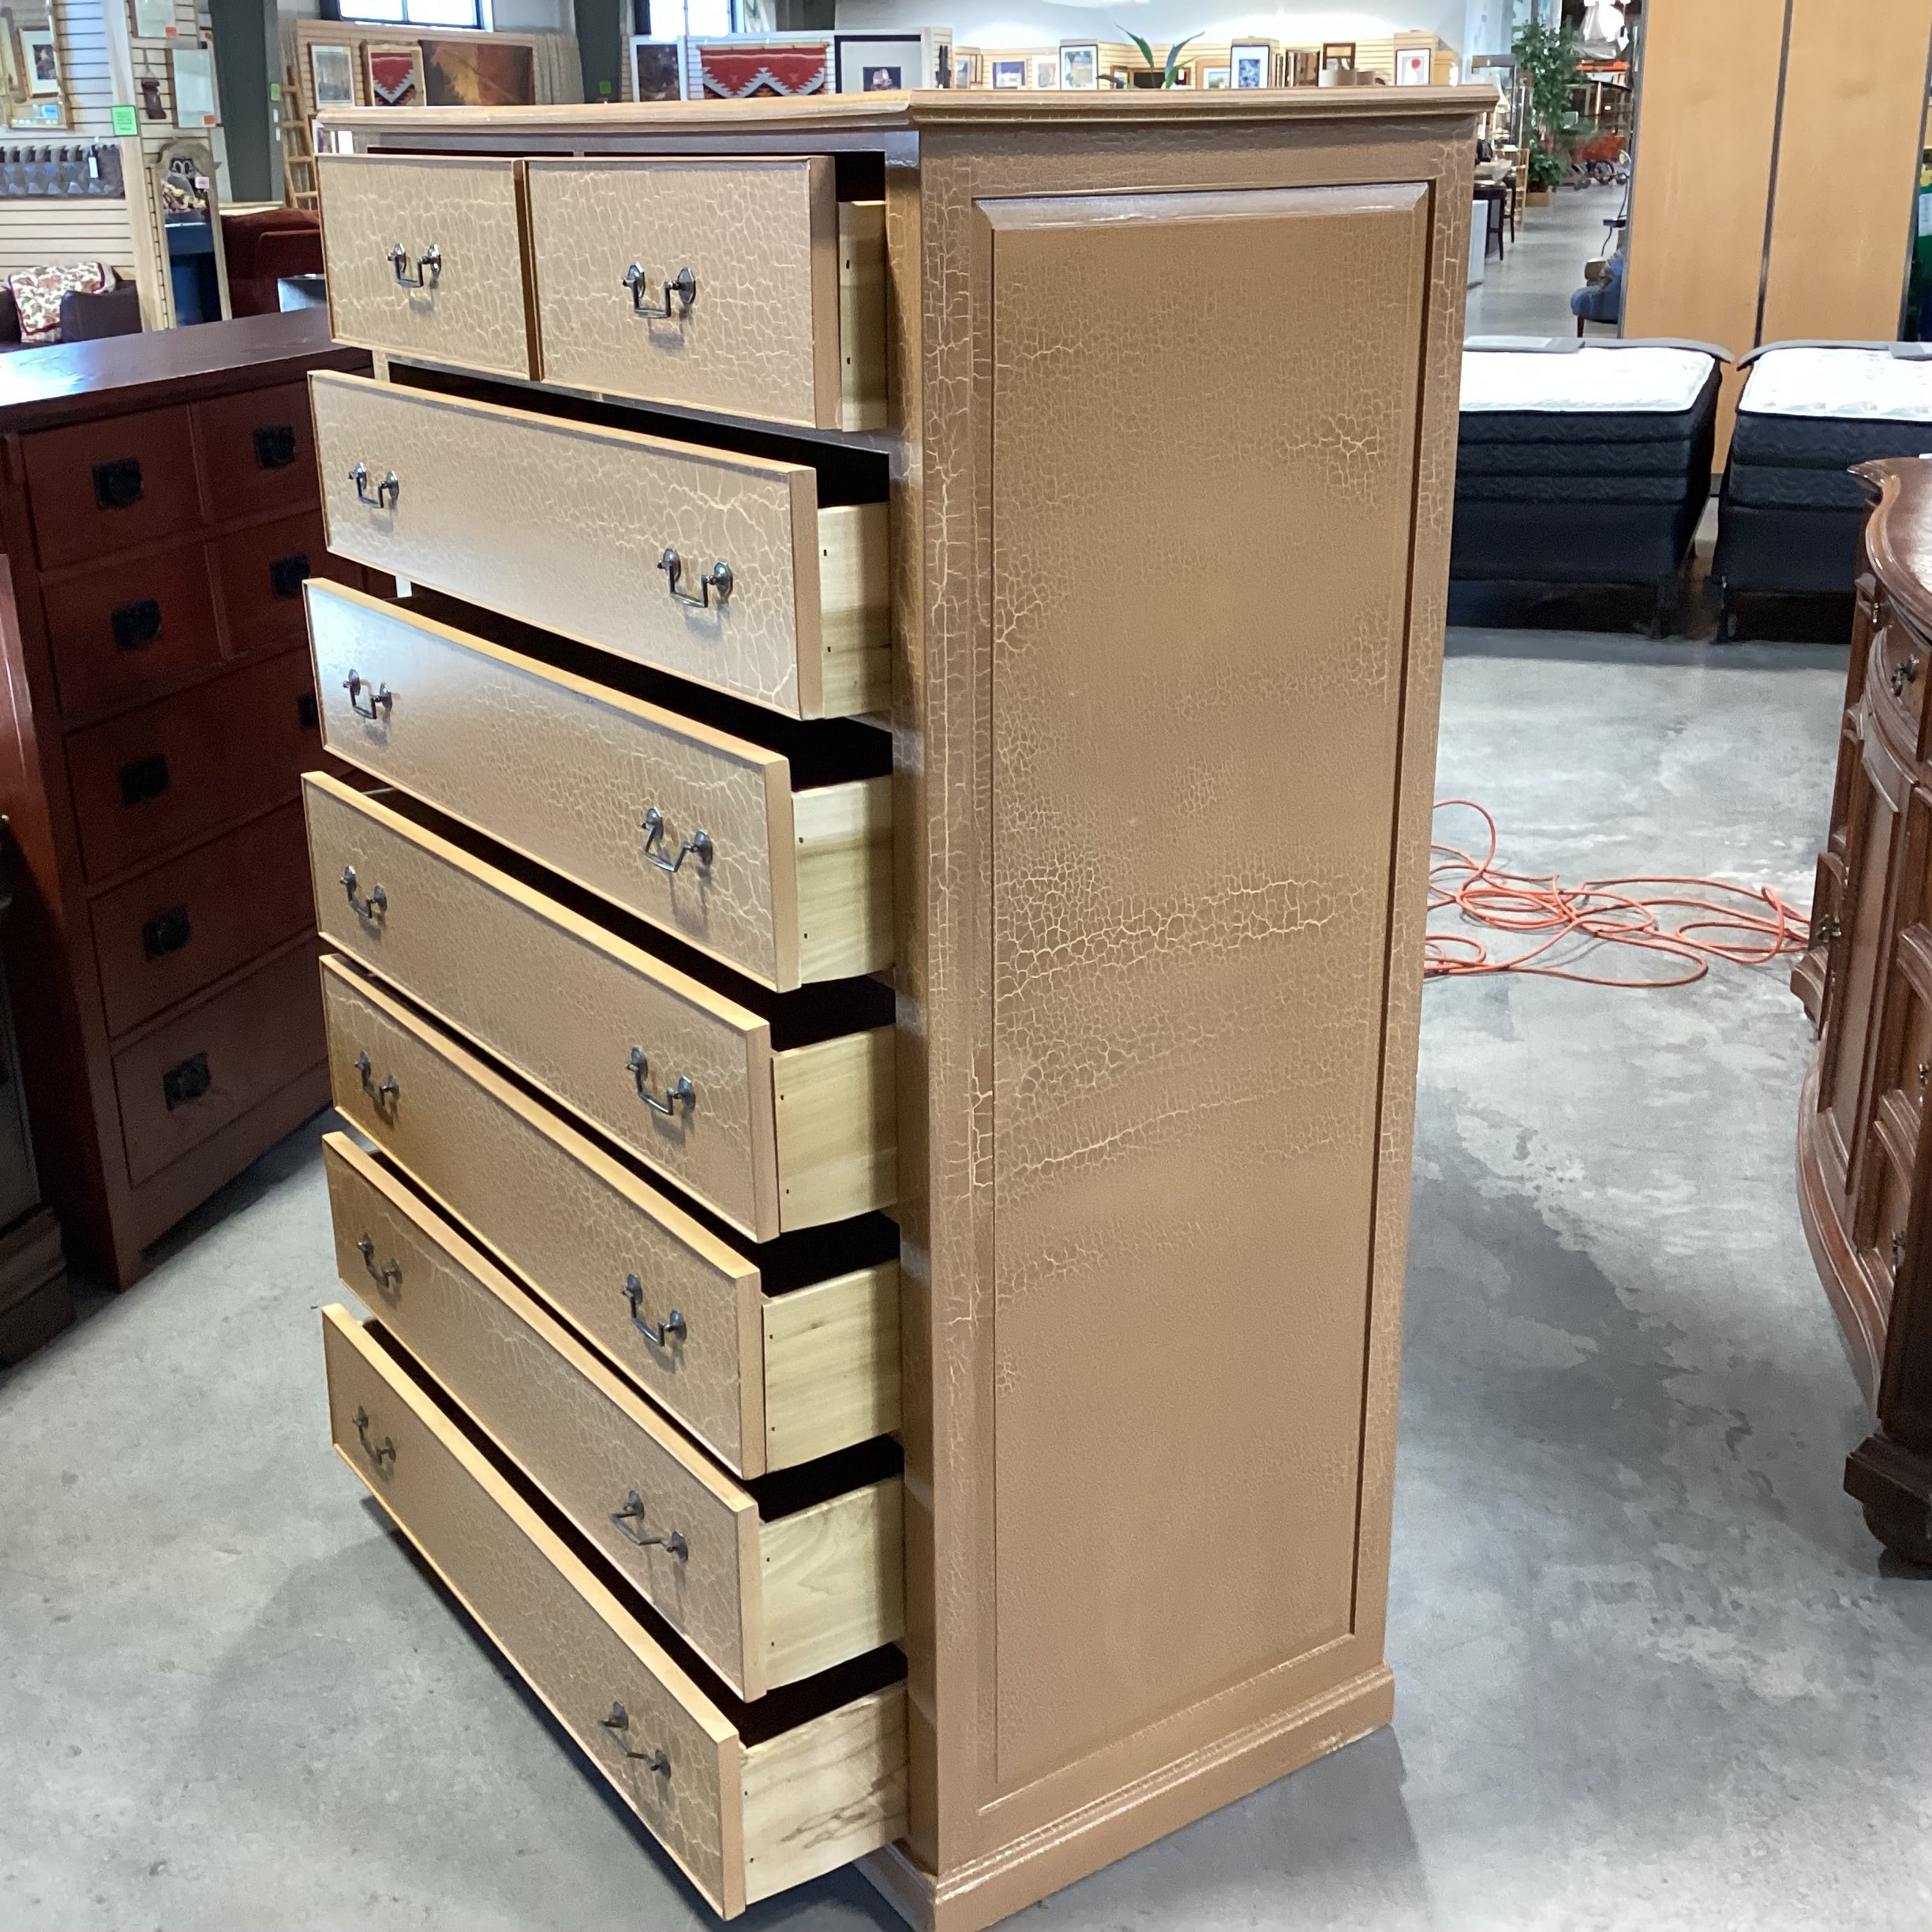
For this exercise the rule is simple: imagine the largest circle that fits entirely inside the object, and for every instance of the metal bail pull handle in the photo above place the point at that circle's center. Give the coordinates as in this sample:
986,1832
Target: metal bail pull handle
633,1512
679,1091
387,491
378,1453
380,698
717,578
1904,674
387,1277
428,267
657,1333
683,289
653,827
387,1095
374,906
616,1726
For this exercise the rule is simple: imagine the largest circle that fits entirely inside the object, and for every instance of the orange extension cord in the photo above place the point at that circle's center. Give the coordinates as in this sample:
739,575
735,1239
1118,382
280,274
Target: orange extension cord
1744,926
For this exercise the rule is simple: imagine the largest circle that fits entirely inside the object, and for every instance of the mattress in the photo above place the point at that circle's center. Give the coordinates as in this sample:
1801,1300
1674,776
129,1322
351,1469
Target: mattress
1577,457
1774,486
1823,442
1582,490
1643,379
1857,384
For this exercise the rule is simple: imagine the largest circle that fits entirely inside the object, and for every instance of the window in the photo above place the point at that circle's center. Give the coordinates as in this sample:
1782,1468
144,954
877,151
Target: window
416,13
667,19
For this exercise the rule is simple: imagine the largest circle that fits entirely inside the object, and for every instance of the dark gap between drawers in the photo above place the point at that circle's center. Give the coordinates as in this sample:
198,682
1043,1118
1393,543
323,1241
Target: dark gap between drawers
845,475
800,1259
820,752
778,1492
803,1018
779,1710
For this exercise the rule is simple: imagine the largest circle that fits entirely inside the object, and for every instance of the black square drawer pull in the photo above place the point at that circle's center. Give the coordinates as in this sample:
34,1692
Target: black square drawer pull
166,932
285,574
274,446
118,485
136,625
146,778
188,1081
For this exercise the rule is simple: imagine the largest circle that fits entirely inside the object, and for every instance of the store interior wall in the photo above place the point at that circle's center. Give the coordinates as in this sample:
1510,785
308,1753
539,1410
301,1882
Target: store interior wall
247,60
1033,23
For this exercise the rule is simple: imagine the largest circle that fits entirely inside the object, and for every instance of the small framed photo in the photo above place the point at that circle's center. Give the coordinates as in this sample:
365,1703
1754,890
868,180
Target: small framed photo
891,63
1214,76
332,72
1250,64
967,69
1303,67
1045,70
1412,66
1080,64
1338,53
1010,73
191,71
41,60
656,69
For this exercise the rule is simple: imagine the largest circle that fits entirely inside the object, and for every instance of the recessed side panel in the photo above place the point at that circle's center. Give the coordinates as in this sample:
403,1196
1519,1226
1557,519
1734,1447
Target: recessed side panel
1200,545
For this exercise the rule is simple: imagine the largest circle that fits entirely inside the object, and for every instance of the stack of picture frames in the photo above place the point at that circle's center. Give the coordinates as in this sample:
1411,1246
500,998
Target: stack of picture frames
745,67
1087,66
379,70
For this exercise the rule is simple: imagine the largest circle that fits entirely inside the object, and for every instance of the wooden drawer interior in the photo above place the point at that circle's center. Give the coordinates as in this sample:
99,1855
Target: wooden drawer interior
788,884
774,1110
749,1799
784,1351
767,1590
616,539
209,1066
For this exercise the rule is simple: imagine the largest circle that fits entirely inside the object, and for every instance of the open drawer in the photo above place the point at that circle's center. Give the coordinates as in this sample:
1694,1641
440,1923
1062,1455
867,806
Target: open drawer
717,567
764,1599
766,1373
747,1808
682,1075
696,829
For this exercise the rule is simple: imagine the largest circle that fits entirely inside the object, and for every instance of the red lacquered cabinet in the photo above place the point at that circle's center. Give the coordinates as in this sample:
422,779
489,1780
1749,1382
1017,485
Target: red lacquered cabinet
159,510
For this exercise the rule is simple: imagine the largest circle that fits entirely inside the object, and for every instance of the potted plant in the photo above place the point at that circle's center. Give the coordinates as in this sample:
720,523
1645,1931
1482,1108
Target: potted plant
1155,74
1550,58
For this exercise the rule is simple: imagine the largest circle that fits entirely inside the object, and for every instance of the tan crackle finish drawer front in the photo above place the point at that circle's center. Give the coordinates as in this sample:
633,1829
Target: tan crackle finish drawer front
424,257
616,539
769,1141
763,1381
715,285
693,829
763,1603
743,1820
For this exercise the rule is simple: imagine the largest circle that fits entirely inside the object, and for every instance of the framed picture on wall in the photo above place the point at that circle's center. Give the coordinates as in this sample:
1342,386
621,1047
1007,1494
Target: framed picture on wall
332,75
1080,64
657,68
395,74
1045,70
1214,76
479,73
1412,66
1303,67
967,69
1338,53
885,63
1010,73
41,60
154,19
1250,64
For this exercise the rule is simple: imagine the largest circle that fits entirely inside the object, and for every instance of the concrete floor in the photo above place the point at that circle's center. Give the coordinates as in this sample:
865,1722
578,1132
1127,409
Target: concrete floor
1528,292
1652,1671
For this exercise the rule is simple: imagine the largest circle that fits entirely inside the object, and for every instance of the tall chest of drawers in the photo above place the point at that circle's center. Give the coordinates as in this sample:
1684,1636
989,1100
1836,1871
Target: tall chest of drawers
158,511
877,944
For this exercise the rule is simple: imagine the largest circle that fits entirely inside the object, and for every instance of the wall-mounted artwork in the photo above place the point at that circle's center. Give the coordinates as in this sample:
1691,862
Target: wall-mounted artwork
479,73
867,63
191,70
154,19
332,75
1412,66
779,68
1250,64
1045,70
1080,64
394,75
1214,76
1010,73
41,60
657,68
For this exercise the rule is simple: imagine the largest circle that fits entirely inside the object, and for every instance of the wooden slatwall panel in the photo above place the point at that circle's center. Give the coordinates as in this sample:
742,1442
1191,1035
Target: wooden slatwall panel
35,231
